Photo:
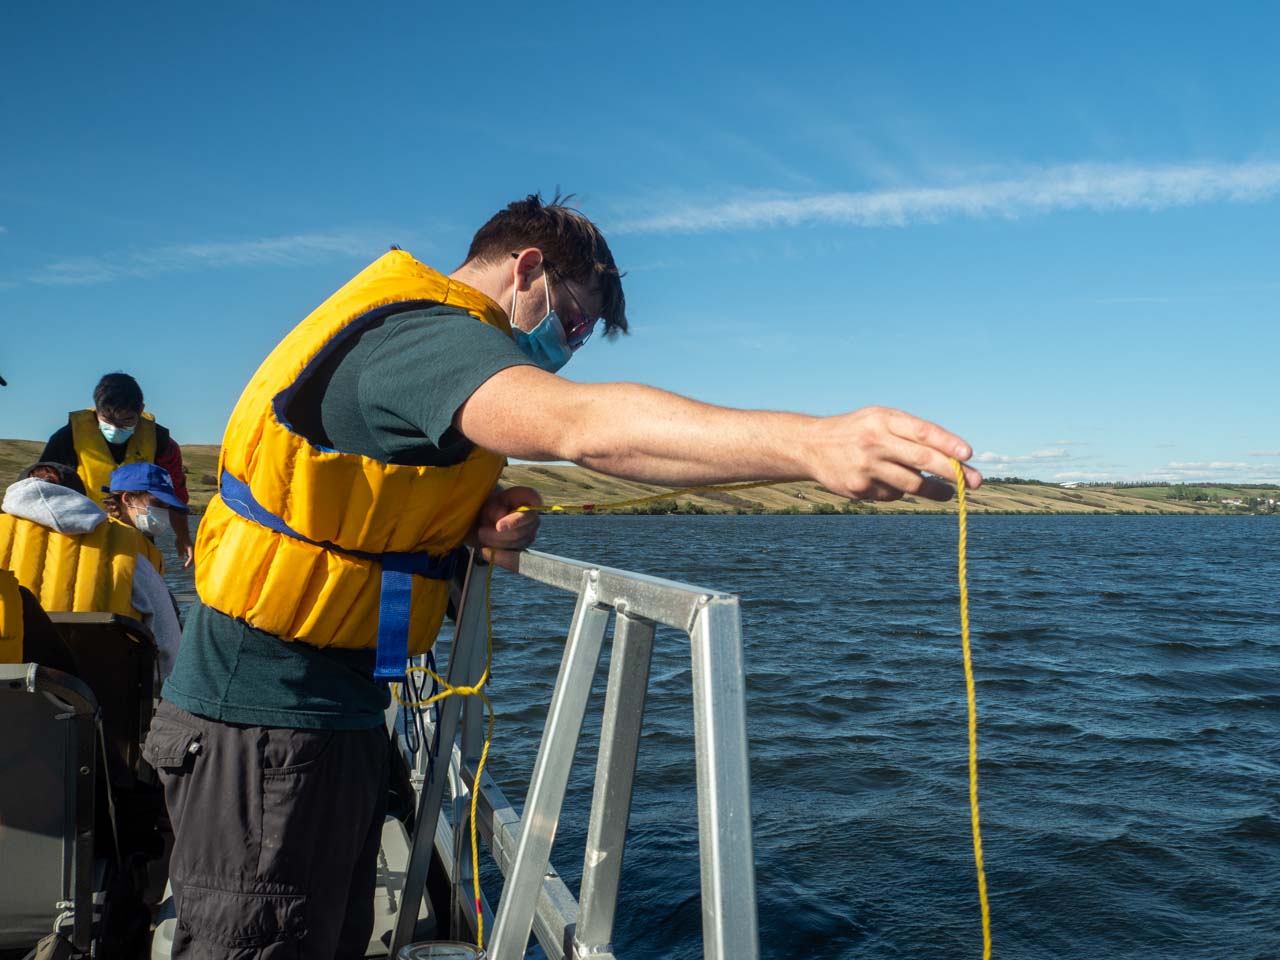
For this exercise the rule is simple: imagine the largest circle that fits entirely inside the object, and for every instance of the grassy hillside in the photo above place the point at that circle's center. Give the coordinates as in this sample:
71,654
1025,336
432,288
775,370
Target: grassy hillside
575,485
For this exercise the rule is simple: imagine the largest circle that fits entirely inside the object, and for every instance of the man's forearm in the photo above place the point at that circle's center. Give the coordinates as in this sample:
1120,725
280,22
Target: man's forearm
644,434
181,529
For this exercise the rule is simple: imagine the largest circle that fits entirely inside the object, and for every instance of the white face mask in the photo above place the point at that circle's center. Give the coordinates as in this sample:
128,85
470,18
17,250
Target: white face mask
153,521
114,434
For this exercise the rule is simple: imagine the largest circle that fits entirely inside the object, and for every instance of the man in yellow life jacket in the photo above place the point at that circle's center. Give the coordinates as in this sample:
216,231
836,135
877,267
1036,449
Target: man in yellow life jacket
118,431
362,453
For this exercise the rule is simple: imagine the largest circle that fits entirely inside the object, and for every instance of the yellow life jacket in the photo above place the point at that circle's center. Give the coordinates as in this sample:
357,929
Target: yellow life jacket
88,572
10,618
309,543
94,460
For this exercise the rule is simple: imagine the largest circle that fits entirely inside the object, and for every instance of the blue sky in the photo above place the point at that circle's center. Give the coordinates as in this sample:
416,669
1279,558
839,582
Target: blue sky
1052,228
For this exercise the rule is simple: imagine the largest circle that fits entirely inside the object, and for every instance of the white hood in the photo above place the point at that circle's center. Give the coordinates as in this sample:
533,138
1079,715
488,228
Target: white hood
58,508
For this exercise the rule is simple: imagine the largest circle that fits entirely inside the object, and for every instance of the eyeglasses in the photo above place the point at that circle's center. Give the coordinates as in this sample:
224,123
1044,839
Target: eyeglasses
579,331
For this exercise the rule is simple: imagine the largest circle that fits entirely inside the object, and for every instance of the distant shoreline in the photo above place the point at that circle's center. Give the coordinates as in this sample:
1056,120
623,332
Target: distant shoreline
571,486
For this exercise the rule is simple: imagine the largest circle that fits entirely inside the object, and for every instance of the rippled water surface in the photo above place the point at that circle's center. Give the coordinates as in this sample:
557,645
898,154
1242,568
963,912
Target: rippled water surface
1128,674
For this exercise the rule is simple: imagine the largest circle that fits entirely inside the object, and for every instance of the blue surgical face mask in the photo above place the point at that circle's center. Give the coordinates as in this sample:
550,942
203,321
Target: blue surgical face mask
152,521
544,344
113,433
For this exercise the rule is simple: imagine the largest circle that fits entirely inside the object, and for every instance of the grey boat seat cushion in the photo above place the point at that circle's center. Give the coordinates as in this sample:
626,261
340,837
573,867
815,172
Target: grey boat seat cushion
47,757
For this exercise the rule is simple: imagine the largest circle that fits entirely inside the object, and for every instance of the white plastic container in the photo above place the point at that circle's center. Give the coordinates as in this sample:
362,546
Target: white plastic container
441,950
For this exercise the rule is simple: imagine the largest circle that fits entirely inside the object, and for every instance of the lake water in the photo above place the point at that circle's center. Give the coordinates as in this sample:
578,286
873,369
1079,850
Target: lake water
1128,675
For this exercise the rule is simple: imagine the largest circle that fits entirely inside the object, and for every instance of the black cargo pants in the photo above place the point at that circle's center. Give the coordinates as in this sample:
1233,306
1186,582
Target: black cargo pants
276,836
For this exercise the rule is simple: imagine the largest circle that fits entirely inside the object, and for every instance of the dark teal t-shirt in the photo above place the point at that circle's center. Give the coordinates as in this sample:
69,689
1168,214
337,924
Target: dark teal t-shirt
390,393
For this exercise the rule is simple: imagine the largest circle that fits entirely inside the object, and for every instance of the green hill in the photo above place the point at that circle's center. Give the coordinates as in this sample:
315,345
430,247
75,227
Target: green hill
572,485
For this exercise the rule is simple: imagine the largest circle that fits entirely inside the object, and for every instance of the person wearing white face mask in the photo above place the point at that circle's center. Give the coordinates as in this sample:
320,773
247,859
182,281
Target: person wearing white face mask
115,432
363,454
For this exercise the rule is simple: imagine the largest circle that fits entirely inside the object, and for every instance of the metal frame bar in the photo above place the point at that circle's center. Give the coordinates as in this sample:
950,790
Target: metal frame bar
550,775
534,897
432,795
472,653
724,798
615,779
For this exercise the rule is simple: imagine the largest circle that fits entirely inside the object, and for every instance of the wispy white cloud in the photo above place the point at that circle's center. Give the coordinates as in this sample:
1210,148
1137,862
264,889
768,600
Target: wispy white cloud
1039,456
1078,187
269,251
1223,471
1213,466
1264,453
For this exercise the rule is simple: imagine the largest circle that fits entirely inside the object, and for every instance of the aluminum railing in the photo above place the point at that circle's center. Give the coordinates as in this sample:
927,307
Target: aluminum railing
534,898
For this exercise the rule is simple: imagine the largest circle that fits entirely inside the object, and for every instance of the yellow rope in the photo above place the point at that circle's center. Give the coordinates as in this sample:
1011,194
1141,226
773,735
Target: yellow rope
471,691
973,716
476,691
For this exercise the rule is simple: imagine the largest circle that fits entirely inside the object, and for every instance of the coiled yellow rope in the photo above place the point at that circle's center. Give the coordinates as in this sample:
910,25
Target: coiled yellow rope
962,571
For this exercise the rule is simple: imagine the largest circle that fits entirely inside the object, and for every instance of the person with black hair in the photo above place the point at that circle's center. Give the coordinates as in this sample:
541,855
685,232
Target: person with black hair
364,452
115,431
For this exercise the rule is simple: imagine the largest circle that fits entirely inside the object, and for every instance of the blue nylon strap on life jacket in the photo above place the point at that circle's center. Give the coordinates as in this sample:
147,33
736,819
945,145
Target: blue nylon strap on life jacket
398,571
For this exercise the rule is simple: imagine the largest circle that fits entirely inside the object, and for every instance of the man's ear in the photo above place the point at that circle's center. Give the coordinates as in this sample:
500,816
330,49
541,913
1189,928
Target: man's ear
528,267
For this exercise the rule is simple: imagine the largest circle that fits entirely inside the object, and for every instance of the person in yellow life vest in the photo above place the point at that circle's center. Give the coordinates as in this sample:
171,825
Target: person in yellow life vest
27,635
66,551
364,451
117,431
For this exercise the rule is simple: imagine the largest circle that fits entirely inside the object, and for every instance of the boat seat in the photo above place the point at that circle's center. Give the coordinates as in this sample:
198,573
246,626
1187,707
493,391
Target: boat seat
48,752
116,656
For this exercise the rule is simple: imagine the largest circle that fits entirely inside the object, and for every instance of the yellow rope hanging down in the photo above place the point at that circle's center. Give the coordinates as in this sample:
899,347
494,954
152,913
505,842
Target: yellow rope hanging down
962,547
962,571
473,691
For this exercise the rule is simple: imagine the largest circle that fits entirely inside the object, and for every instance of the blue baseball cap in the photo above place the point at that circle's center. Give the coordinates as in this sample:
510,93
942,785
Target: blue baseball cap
147,478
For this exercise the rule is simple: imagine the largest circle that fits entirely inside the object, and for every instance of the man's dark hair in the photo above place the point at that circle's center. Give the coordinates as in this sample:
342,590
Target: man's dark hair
572,247
117,393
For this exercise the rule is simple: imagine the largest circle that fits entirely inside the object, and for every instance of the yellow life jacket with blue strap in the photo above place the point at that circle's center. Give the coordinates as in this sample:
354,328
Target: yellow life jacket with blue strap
314,545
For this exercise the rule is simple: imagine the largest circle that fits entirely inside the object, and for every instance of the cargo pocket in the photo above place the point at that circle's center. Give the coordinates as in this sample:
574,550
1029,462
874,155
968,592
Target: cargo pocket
300,785
268,924
170,745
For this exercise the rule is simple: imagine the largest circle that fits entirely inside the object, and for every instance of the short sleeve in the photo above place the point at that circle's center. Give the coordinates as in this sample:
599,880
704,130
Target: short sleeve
424,368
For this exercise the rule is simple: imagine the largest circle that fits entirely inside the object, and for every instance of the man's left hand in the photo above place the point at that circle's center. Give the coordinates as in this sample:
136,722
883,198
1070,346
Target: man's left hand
186,551
501,525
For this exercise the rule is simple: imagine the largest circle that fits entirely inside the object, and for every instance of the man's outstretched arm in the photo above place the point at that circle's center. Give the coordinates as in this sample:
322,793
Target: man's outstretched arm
641,433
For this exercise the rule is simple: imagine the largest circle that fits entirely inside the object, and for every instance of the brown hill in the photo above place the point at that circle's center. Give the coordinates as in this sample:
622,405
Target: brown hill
570,485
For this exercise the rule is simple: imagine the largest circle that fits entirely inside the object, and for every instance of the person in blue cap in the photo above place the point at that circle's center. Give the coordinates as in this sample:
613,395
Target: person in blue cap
142,494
